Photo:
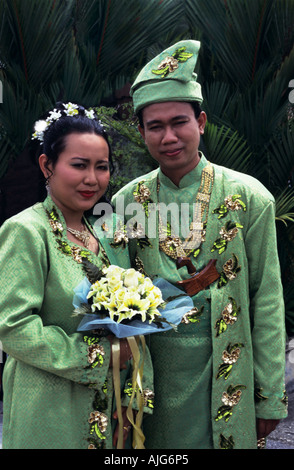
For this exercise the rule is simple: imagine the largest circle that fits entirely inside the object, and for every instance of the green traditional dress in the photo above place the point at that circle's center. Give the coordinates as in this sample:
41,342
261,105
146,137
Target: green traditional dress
58,388
225,365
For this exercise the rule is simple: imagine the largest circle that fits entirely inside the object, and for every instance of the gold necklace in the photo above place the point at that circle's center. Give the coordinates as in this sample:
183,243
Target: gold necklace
172,245
83,236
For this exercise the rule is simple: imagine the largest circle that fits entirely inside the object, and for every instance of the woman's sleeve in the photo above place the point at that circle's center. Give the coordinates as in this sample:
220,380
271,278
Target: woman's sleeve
24,267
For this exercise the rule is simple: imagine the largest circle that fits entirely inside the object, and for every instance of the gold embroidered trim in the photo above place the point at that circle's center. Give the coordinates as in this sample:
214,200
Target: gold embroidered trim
172,245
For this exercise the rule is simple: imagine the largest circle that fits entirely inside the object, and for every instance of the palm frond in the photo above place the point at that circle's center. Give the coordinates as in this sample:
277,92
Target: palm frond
40,32
280,157
226,148
285,206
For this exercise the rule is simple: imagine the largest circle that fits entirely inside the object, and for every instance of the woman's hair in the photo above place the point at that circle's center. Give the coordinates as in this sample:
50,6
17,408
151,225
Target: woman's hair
54,139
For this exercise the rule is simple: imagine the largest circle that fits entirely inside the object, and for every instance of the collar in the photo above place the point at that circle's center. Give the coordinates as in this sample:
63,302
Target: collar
191,178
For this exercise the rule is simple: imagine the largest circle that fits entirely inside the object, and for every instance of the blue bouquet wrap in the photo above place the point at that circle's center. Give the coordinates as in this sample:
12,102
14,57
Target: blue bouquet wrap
173,312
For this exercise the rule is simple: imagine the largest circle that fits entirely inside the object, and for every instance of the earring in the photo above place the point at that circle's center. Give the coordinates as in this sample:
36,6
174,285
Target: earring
47,185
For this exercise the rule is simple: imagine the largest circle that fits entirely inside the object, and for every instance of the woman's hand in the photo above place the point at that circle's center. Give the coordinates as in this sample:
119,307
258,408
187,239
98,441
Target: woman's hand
126,427
125,352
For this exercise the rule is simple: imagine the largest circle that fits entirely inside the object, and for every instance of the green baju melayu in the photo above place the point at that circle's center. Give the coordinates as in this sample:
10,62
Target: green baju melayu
225,365
58,388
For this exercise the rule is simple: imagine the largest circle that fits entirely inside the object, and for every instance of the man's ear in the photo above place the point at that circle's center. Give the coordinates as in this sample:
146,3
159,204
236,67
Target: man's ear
202,121
45,167
142,131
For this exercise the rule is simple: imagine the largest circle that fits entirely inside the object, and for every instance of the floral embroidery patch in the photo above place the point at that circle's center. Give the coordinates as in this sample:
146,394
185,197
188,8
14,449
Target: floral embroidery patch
124,234
227,234
226,443
98,425
285,398
230,270
192,316
229,316
232,203
230,399
95,351
147,394
120,237
137,232
230,357
75,252
171,63
142,195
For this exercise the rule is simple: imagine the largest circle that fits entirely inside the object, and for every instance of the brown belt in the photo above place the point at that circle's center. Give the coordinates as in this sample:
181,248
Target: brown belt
198,281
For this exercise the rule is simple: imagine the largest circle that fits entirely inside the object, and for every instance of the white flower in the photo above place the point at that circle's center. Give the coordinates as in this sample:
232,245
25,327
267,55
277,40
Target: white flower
125,293
53,116
131,278
90,113
71,109
133,305
40,126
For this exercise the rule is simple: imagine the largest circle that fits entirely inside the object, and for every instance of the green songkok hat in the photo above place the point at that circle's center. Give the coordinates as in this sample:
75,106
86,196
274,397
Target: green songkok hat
169,76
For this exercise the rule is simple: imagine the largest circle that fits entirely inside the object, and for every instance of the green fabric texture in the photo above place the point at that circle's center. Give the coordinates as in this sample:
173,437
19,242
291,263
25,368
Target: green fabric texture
51,386
169,76
253,385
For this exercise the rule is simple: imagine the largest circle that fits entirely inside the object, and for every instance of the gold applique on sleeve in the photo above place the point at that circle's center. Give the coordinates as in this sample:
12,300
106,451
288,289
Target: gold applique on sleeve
229,357
227,233
232,203
230,399
229,316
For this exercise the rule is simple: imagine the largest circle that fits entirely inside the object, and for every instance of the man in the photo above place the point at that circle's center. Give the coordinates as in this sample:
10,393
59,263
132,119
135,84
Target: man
219,380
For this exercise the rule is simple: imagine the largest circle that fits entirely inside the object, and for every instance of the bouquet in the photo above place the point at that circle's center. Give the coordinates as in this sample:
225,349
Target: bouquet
129,305
126,302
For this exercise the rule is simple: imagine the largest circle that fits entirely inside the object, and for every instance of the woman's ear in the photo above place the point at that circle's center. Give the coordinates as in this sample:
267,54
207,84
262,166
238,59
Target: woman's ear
45,166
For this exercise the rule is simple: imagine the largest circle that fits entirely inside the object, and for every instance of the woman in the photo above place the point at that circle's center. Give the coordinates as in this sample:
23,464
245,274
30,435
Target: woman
58,390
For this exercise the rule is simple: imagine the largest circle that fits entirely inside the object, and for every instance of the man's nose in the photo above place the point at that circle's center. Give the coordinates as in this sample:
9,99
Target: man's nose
169,136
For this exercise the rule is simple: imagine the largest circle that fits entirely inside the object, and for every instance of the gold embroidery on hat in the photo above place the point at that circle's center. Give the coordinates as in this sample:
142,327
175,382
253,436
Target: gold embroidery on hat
171,63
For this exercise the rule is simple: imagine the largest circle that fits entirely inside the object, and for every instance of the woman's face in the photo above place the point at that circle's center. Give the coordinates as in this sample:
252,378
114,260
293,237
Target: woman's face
81,175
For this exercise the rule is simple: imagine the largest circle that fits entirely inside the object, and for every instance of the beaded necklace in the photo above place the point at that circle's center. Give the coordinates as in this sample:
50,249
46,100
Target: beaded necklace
77,253
172,245
83,236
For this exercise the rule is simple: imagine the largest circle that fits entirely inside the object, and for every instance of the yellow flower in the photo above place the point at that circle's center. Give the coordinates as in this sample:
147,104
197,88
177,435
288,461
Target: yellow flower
133,305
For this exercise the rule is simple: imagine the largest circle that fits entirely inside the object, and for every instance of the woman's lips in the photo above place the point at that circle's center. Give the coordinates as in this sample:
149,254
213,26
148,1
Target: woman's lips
87,194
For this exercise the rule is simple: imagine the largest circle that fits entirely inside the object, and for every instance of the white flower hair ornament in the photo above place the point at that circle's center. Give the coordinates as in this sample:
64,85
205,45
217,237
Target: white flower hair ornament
70,109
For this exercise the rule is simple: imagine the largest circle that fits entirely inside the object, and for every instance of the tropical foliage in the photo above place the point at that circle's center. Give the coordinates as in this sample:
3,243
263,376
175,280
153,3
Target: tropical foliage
70,50
85,50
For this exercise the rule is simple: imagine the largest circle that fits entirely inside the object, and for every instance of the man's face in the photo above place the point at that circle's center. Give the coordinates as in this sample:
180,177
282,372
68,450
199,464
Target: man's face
172,135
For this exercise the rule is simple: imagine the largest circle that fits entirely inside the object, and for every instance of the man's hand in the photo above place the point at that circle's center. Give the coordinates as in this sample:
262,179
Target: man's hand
265,426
